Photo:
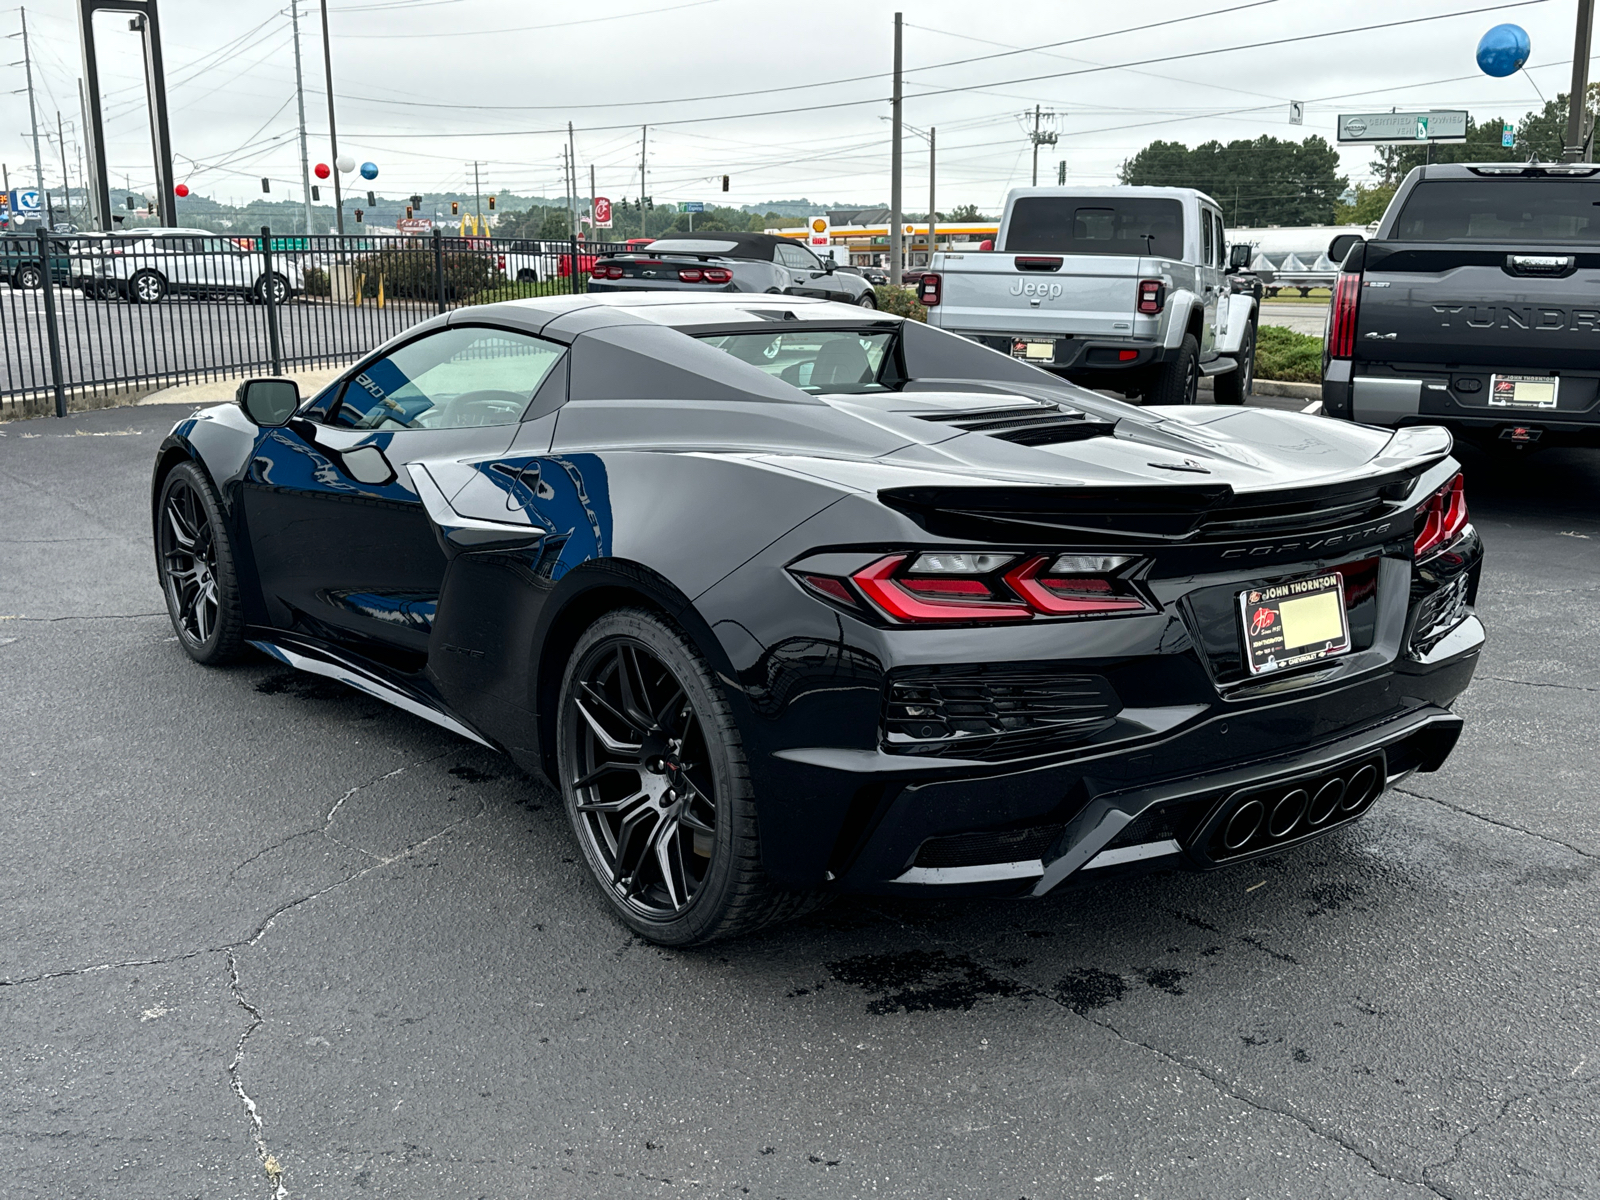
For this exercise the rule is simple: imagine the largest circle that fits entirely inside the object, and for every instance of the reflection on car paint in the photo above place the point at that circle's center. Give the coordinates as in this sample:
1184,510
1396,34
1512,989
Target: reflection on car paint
411,610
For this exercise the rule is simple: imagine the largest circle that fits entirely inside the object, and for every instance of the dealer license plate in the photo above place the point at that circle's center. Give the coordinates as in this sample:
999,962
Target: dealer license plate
1290,624
1523,391
1034,351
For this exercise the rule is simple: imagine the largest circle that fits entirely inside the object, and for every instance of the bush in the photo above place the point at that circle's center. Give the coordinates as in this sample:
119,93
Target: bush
900,302
408,273
314,282
1287,356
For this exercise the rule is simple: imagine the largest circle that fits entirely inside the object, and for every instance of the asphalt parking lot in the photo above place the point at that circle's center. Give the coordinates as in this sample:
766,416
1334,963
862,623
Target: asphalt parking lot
260,934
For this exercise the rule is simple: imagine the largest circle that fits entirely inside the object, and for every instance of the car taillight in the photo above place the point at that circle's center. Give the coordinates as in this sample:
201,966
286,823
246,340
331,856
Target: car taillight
613,272
717,275
932,287
1441,518
1152,296
1342,321
690,274
940,587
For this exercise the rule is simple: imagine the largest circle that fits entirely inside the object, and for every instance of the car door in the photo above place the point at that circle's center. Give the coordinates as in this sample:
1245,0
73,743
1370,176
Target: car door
1225,289
1208,275
343,545
802,268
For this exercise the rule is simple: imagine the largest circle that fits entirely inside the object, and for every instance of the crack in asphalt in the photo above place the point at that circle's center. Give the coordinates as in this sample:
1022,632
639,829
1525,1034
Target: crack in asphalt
82,617
1569,687
269,1163
110,966
1467,812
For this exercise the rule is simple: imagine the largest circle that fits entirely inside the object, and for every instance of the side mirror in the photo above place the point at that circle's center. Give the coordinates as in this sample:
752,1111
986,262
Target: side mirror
1340,246
829,266
1239,257
269,402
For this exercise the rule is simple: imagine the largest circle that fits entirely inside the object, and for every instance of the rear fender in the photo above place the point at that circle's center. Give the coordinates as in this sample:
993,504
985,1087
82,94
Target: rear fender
1241,314
1180,309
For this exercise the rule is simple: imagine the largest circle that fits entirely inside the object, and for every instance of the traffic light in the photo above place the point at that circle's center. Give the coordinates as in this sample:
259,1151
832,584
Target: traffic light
455,208
316,192
372,201
491,203
266,185
408,212
724,183
358,216
650,203
416,202
130,203
1061,173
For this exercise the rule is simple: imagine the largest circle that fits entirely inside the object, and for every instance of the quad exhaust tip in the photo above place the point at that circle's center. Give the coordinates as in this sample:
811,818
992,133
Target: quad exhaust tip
1265,818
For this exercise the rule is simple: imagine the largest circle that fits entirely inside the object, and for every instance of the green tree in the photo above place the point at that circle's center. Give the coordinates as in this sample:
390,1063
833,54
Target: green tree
1370,204
1543,135
1482,145
1265,181
964,214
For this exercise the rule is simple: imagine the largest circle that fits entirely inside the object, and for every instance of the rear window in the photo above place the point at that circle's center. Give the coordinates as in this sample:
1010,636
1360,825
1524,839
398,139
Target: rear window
689,246
1552,211
1133,225
814,360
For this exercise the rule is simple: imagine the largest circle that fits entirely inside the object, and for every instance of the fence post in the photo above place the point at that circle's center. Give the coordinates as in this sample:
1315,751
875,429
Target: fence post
270,299
51,329
574,264
438,266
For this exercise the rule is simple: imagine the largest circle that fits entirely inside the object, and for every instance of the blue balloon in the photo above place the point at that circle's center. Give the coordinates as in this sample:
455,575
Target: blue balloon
370,170
1503,50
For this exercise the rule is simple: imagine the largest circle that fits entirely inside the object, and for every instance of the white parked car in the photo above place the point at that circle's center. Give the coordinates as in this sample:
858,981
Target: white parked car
147,266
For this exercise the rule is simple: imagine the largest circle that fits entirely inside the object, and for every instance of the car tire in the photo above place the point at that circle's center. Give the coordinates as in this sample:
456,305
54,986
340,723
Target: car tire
146,287
281,291
655,783
1238,385
1178,381
27,278
195,566
867,300
527,275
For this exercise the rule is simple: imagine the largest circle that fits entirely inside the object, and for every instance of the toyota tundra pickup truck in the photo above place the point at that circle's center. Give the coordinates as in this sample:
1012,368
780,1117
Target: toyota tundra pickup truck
1130,289
1475,305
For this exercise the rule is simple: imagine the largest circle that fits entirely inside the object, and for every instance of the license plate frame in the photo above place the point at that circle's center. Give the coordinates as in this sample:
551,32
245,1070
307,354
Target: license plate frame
1525,391
1321,628
1034,349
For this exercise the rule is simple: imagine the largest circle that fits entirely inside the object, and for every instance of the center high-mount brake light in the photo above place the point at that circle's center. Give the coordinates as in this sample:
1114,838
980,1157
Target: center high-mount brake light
932,286
1441,518
1152,296
1342,324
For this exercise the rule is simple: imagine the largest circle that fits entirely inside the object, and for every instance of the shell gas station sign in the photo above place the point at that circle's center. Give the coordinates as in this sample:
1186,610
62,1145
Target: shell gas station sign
817,232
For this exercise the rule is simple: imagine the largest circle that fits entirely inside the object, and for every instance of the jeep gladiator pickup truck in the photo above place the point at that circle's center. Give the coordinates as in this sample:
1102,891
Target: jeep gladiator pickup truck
1475,305
1130,289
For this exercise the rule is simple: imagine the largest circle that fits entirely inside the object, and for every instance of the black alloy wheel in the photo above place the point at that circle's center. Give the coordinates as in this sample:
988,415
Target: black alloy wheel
1178,381
194,560
1237,385
146,287
27,278
280,289
657,788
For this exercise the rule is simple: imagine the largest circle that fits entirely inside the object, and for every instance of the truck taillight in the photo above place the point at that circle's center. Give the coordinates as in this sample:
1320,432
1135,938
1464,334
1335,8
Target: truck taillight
930,290
1342,318
1152,296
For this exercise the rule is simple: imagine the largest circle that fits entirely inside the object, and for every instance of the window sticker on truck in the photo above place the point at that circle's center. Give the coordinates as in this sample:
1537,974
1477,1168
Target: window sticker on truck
1523,391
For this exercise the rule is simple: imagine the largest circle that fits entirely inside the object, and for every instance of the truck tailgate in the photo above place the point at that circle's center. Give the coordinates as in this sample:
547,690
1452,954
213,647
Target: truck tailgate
1488,306
1087,293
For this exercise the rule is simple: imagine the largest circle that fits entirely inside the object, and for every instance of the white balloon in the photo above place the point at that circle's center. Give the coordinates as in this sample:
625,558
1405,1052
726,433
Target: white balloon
345,163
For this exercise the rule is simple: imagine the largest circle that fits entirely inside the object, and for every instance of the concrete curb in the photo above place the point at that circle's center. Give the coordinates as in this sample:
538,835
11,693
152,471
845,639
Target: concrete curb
1275,387
219,391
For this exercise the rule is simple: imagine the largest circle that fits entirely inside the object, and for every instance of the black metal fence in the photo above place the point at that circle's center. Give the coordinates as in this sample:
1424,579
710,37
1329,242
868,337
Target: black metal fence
92,316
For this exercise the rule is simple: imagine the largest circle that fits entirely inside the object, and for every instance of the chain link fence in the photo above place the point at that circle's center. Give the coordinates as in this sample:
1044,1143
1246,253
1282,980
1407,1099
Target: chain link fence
87,319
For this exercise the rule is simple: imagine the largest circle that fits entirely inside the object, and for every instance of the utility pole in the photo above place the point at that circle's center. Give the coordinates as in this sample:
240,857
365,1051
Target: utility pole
572,194
933,216
895,216
66,180
591,200
300,99
477,202
644,133
33,116
333,128
83,178
1579,148
1040,138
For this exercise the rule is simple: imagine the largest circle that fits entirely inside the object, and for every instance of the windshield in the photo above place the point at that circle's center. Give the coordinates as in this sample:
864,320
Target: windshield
1124,225
1561,211
814,360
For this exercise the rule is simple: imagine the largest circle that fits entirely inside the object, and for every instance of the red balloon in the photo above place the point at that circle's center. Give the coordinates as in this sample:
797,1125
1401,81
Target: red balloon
181,190
321,170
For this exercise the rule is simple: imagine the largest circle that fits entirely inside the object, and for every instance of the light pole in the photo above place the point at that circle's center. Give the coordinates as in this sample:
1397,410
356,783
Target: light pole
895,263
1578,148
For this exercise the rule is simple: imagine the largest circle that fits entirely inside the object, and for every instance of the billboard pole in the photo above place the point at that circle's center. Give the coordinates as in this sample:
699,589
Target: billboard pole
1578,147
33,115
333,128
895,265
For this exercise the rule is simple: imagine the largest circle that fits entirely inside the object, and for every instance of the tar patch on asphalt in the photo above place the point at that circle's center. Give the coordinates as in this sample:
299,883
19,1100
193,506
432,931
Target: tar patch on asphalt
1166,979
471,775
302,686
924,981
1089,988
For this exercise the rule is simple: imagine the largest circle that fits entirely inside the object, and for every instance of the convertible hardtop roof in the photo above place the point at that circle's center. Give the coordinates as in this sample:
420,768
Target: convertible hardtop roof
745,245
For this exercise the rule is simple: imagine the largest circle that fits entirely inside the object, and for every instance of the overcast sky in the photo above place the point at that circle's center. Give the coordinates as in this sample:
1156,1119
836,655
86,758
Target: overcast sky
425,86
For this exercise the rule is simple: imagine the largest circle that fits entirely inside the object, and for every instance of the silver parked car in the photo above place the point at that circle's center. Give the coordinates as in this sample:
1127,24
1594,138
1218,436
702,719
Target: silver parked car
729,262
147,266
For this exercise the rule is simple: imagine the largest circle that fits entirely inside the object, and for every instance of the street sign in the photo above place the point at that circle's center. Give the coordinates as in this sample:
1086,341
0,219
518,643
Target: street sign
1508,135
1297,112
689,206
602,213
1382,128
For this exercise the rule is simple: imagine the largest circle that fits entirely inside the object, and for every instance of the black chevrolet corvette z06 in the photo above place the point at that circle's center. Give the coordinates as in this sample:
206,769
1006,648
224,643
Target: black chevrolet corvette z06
730,262
789,598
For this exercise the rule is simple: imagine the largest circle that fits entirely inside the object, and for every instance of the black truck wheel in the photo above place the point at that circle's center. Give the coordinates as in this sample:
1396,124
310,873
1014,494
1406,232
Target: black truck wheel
1177,381
1239,384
